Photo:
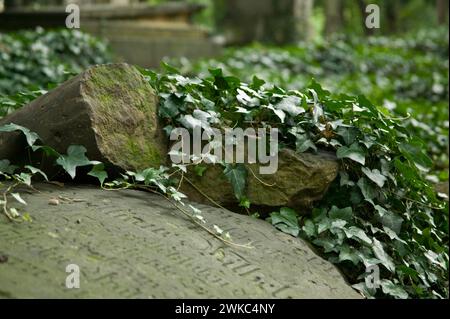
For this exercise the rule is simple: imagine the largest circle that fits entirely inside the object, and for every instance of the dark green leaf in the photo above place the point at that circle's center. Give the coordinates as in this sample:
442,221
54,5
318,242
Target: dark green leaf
237,176
31,137
354,152
75,158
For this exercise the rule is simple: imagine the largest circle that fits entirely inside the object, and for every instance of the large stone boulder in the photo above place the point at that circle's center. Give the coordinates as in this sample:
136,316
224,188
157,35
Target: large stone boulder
109,109
300,180
132,244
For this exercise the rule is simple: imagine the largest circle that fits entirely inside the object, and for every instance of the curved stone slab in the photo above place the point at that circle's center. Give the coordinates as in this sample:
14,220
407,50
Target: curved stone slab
131,244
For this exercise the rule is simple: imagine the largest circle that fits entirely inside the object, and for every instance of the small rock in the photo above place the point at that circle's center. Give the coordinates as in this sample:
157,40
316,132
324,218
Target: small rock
3,259
300,180
442,190
53,201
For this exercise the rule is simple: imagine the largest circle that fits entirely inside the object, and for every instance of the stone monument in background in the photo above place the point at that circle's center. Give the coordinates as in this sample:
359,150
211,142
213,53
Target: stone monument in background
269,21
137,32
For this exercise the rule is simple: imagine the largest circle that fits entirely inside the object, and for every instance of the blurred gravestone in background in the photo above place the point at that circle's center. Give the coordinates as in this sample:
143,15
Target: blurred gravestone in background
270,21
138,33
9,4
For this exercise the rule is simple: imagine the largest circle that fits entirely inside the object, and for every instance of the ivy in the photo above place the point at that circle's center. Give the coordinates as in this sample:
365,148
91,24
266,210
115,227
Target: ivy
380,210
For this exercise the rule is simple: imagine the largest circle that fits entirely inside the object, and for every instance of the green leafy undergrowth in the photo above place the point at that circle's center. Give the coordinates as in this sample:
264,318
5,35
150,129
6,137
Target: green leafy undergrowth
39,57
405,75
380,211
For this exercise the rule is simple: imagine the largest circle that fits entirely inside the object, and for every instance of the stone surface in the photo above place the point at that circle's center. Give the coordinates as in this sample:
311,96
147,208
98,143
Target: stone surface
146,43
131,244
109,109
300,180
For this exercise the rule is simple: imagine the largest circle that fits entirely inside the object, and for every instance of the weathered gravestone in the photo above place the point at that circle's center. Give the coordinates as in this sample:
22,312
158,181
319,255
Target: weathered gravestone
131,244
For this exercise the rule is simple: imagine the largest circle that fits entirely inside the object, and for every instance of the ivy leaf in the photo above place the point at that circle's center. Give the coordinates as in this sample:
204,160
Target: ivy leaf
203,116
389,288
348,134
286,220
434,258
31,137
344,213
303,144
6,167
414,152
168,129
75,158
385,259
281,115
327,244
375,176
48,151
257,83
18,198
323,225
391,220
244,202
354,152
354,231
35,170
290,105
190,122
246,99
25,178
345,179
347,253
200,169
367,189
169,108
237,176
169,69
99,172
176,195
242,110
309,228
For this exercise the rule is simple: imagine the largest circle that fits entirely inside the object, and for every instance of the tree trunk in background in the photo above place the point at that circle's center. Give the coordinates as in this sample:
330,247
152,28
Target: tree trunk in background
392,16
362,8
11,4
442,11
303,10
334,16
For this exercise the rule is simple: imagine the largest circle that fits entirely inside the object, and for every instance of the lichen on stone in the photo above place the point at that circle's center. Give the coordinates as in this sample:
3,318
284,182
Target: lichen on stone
124,115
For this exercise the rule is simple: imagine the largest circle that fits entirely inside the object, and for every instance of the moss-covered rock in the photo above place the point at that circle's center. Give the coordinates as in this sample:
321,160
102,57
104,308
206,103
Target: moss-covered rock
110,109
300,180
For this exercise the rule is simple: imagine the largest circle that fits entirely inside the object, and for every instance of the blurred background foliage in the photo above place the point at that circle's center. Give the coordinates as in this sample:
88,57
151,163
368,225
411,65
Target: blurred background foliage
347,16
34,59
